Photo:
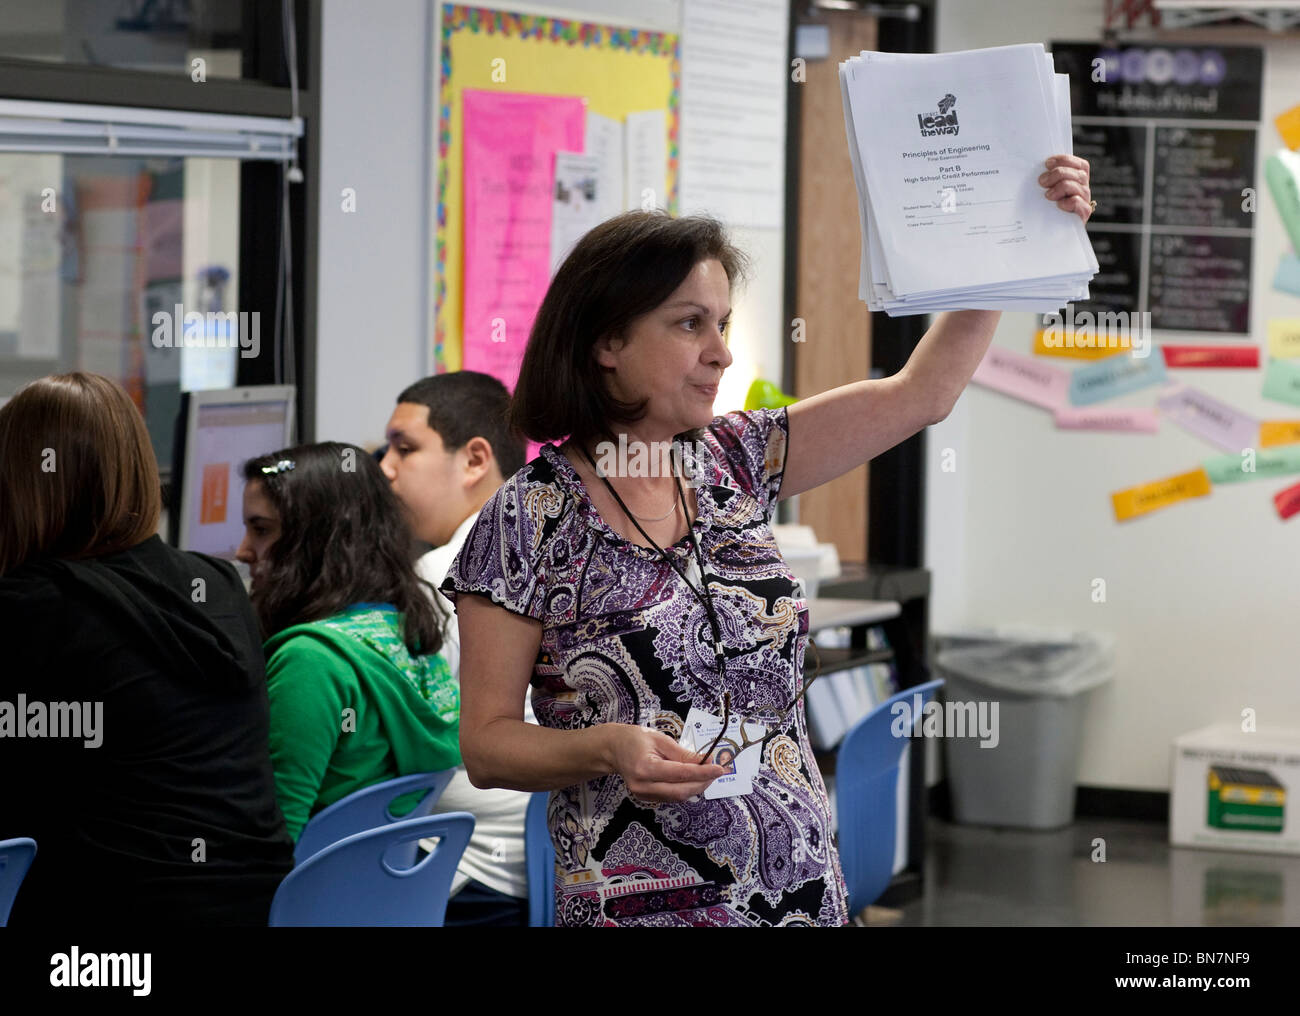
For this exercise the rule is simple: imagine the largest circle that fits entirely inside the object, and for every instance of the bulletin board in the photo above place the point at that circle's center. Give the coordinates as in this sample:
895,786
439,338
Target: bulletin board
617,70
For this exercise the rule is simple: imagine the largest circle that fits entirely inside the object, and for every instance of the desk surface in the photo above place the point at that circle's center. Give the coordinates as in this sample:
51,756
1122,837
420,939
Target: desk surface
878,582
827,612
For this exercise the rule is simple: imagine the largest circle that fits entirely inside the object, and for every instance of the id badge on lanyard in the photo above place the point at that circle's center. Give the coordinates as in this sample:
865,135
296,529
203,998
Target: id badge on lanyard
701,730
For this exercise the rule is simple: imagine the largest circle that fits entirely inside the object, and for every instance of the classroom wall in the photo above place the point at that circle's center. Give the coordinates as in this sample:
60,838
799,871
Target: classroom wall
1202,596
373,293
371,289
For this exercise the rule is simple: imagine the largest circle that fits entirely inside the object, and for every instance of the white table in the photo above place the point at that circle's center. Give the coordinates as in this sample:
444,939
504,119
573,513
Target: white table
825,612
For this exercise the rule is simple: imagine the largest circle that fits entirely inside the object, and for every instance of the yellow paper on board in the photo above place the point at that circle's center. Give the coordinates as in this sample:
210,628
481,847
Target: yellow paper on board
1288,125
1076,352
1284,338
1279,432
614,82
1150,497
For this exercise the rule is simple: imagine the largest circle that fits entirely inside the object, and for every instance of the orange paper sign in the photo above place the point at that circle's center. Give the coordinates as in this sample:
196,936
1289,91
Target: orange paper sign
1150,496
216,484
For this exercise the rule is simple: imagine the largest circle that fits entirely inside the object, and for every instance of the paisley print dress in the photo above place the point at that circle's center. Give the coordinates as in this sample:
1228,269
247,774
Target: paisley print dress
625,641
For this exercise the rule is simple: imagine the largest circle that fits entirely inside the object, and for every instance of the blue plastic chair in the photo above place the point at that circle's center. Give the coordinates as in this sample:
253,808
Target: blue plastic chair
353,884
539,856
15,858
866,785
367,808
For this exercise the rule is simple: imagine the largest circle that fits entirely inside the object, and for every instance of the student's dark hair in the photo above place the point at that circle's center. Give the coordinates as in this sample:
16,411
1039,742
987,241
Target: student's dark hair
343,540
465,404
78,477
623,268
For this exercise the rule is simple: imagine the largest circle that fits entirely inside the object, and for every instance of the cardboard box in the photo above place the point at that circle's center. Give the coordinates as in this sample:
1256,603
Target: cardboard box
1233,790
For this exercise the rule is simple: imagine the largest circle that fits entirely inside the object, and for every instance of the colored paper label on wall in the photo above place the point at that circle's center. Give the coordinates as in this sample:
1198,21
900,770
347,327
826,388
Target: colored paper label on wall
1151,497
1208,418
510,143
1287,501
214,493
1287,277
1211,356
1138,421
1279,432
1282,381
1288,125
1114,376
1284,337
1253,465
1023,377
1282,174
1072,352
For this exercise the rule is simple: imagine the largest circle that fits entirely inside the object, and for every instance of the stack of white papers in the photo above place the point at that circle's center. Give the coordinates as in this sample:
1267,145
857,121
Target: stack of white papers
947,149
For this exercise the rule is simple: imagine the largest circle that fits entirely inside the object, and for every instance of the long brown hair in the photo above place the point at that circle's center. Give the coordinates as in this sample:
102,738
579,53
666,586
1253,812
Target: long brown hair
343,540
78,476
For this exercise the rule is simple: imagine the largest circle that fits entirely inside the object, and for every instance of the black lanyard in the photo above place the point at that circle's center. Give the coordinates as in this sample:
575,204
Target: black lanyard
705,597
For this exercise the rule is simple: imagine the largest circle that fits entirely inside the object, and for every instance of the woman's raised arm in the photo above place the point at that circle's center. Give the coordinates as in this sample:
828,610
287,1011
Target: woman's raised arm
844,427
841,429
498,649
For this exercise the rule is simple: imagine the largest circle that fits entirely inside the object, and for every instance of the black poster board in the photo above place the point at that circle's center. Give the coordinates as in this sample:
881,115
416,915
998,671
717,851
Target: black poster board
1171,133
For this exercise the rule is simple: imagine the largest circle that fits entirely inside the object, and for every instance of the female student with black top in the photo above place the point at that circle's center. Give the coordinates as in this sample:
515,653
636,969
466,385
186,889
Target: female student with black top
141,769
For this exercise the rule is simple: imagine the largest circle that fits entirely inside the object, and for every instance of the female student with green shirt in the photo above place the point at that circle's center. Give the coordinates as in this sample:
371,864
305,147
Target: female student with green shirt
358,691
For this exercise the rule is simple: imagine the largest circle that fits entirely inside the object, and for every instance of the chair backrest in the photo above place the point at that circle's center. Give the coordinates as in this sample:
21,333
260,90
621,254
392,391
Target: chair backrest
866,784
539,854
15,858
368,808
353,883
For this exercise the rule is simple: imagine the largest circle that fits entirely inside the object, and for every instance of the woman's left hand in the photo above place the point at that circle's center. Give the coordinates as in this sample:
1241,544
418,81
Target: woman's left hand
1066,181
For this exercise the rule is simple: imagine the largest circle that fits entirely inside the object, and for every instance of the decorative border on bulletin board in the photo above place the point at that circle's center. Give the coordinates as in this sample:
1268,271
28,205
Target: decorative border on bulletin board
457,18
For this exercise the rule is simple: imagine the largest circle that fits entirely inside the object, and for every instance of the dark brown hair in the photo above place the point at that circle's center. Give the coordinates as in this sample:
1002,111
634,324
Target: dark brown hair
343,540
78,476
466,404
623,268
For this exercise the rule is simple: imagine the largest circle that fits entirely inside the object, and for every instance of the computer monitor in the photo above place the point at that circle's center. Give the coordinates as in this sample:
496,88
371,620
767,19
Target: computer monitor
222,430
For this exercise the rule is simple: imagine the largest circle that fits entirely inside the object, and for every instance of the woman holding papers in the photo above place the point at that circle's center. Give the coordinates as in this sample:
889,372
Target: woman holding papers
650,608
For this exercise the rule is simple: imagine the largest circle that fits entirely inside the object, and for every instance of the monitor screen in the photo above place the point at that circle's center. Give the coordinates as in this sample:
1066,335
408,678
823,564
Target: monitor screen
225,430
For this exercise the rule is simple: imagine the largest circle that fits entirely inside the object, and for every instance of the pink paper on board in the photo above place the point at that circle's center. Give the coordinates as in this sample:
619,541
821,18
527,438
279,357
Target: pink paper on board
1025,378
1220,424
1141,421
510,143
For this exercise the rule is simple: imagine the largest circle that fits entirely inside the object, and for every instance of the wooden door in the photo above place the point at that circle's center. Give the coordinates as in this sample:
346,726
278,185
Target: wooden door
836,346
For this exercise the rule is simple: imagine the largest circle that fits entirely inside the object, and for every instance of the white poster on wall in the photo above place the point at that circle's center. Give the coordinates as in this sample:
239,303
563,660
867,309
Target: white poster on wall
575,202
734,75
604,140
646,164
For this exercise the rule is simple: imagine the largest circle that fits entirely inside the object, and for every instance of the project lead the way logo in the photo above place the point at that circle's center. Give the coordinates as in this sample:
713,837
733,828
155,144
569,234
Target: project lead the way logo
942,122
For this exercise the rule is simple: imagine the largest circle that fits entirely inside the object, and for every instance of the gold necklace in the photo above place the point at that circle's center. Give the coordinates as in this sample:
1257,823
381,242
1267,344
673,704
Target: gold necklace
644,518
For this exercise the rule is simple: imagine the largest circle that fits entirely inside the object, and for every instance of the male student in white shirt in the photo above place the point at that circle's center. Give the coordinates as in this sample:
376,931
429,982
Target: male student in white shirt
449,449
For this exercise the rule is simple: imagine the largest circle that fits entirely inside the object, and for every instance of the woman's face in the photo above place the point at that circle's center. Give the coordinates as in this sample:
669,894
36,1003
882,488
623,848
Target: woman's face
674,356
261,529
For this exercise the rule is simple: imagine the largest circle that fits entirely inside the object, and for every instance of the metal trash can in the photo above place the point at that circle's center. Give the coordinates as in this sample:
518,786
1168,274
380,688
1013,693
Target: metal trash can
1032,683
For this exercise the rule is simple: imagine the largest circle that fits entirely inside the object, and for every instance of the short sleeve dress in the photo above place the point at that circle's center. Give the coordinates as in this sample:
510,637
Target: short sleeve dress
625,641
